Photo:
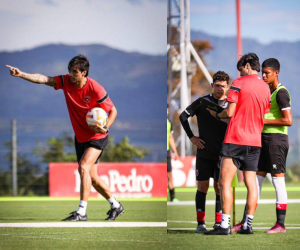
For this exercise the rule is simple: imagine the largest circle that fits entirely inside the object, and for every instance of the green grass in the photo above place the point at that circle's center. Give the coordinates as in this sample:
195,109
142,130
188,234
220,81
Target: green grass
83,238
265,216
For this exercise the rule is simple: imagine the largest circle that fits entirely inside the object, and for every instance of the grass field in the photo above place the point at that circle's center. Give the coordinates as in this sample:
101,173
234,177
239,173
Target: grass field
47,210
183,218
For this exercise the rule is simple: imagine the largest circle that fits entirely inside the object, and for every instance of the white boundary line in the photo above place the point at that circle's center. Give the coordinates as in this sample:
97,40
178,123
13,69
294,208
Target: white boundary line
256,228
255,223
85,224
237,202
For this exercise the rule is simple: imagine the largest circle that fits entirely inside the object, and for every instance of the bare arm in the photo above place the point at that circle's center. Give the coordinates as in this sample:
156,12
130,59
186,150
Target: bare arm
173,146
35,78
112,117
286,120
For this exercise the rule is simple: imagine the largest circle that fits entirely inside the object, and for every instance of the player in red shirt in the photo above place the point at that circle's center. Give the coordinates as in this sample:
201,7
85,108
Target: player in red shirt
83,93
249,99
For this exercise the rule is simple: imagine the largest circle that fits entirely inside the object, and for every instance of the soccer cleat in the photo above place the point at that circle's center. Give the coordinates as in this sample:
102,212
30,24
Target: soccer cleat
113,213
245,231
201,228
219,231
217,224
175,200
74,216
276,229
236,228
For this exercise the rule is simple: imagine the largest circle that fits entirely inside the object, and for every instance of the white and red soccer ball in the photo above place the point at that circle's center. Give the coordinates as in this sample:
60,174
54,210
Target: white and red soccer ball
96,116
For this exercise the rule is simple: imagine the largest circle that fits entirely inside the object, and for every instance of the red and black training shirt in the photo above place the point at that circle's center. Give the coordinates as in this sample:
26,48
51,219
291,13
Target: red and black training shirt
252,97
80,101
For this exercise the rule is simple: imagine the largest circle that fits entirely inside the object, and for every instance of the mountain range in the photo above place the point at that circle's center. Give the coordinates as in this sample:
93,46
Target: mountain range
224,57
135,82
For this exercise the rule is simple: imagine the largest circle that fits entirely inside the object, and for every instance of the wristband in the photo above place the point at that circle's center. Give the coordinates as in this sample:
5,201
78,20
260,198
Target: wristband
107,129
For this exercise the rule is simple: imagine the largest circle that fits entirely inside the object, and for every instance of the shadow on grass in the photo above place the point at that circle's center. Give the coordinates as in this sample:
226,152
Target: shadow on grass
182,231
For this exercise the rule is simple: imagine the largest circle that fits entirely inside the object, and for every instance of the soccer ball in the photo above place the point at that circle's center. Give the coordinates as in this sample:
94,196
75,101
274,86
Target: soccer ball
96,116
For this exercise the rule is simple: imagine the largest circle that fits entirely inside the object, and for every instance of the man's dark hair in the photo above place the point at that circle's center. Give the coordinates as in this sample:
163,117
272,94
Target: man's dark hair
271,63
221,76
81,62
250,58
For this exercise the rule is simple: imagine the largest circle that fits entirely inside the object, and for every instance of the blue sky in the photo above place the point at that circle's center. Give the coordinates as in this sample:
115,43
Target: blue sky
130,25
263,20
138,25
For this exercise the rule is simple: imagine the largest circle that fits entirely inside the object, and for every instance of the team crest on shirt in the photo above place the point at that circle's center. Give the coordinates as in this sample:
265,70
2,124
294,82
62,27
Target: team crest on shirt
274,166
87,99
197,172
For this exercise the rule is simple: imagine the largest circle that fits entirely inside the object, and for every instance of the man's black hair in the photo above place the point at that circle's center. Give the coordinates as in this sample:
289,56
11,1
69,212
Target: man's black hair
221,76
81,62
271,63
250,58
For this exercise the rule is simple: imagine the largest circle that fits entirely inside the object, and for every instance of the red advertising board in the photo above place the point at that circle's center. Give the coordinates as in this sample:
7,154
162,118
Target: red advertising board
183,170
125,180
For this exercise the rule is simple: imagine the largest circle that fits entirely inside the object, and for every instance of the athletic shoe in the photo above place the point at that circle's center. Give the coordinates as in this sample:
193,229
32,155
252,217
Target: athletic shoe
175,200
74,216
245,231
219,231
237,228
113,213
276,229
201,228
217,225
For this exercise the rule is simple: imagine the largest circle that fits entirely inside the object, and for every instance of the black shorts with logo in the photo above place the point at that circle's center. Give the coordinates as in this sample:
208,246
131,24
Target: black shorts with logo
245,158
206,168
169,166
273,159
80,147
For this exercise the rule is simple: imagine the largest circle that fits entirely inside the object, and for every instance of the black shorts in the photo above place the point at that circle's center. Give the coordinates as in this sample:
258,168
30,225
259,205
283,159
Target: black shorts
169,166
206,169
273,159
245,158
80,147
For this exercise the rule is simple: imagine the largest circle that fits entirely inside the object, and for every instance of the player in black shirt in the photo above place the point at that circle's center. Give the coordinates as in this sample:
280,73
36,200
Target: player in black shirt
211,135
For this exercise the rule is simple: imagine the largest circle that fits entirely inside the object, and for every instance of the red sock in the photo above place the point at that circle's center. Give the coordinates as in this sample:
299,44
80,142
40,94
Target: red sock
200,216
218,217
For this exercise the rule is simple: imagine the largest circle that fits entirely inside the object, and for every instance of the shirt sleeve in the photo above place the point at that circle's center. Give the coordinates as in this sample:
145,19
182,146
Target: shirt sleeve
60,80
283,99
192,109
234,92
103,99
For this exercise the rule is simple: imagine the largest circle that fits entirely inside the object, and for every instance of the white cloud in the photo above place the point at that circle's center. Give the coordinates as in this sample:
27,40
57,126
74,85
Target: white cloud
118,23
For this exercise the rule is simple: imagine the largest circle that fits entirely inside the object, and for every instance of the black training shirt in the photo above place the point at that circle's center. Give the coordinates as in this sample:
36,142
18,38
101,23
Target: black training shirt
211,130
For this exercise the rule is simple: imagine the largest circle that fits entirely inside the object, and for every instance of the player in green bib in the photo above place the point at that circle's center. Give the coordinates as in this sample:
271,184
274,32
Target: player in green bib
170,143
275,142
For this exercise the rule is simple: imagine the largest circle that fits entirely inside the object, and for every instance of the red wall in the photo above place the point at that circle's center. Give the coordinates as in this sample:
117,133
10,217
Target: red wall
133,180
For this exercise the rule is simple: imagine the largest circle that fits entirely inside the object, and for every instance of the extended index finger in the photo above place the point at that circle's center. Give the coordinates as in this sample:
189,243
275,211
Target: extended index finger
8,66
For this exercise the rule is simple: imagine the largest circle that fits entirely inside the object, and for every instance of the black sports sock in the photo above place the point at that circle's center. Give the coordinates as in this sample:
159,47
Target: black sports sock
244,216
218,209
200,207
218,204
172,194
280,214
